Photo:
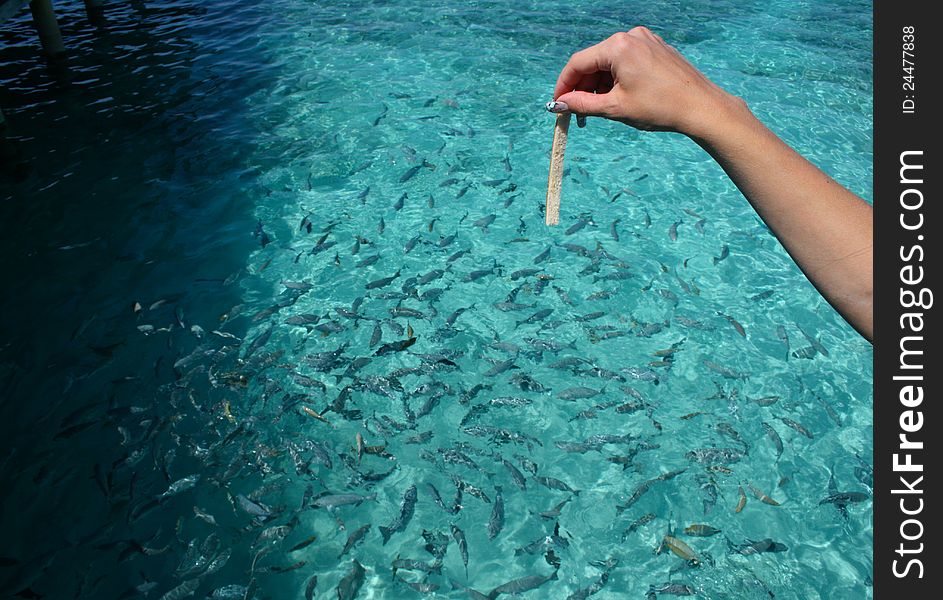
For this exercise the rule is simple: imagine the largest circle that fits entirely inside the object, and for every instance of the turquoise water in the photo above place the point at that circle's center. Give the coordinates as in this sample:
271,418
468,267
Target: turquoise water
134,180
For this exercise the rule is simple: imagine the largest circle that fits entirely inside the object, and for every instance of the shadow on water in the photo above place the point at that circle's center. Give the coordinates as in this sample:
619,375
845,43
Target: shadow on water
126,208
162,357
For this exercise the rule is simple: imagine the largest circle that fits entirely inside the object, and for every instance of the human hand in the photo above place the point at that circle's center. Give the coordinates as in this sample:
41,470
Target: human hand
638,79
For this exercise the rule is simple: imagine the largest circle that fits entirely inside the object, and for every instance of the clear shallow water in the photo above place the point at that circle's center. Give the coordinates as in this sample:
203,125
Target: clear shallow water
138,173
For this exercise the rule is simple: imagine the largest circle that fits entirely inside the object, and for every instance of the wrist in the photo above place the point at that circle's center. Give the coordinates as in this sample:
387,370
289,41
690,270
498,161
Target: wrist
719,118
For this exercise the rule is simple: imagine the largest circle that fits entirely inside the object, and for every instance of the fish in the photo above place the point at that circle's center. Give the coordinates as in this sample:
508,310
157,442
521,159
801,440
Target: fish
521,584
543,256
377,335
673,230
577,393
736,325
679,548
496,522
815,343
383,282
332,501
180,485
187,588
554,512
354,538
725,371
576,227
783,337
774,437
713,456
350,584
643,487
767,400
459,536
521,273
407,509
842,498
409,173
397,346
796,426
537,316
672,588
741,499
701,530
761,496
755,547
724,253
555,484
485,221
309,588
516,475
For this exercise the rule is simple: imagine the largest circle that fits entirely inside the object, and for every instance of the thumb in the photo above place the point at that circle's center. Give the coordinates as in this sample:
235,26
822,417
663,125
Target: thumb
586,103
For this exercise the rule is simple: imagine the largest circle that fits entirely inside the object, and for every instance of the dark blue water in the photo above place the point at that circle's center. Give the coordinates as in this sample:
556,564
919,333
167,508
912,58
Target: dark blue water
188,159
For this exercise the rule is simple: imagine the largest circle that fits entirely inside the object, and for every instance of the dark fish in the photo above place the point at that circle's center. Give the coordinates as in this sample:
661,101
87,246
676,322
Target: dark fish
640,522
554,512
815,343
701,530
258,342
500,367
350,584
774,437
612,230
353,538
377,335
524,273
755,547
383,282
643,487
576,227
485,221
522,584
841,498
409,174
455,315
724,253
555,484
457,255
397,346
542,256
407,509
496,522
673,589
715,456
783,337
673,230
516,475
459,536
478,274
726,372
796,426
763,296
537,316
736,325
398,205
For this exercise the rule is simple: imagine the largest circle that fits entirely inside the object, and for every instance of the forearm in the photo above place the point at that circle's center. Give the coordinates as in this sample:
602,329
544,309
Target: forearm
826,229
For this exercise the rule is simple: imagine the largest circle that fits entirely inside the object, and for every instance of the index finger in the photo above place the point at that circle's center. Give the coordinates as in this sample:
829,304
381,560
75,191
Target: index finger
585,62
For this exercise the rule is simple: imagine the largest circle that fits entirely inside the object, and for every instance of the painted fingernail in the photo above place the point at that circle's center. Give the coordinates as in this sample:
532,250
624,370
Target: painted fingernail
557,107
581,120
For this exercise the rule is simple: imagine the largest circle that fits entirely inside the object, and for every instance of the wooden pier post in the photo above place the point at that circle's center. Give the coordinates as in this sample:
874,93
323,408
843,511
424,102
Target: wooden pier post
45,21
95,9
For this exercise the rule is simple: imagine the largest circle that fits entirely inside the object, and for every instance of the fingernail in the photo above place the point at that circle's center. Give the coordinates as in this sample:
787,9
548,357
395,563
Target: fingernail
581,121
557,107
